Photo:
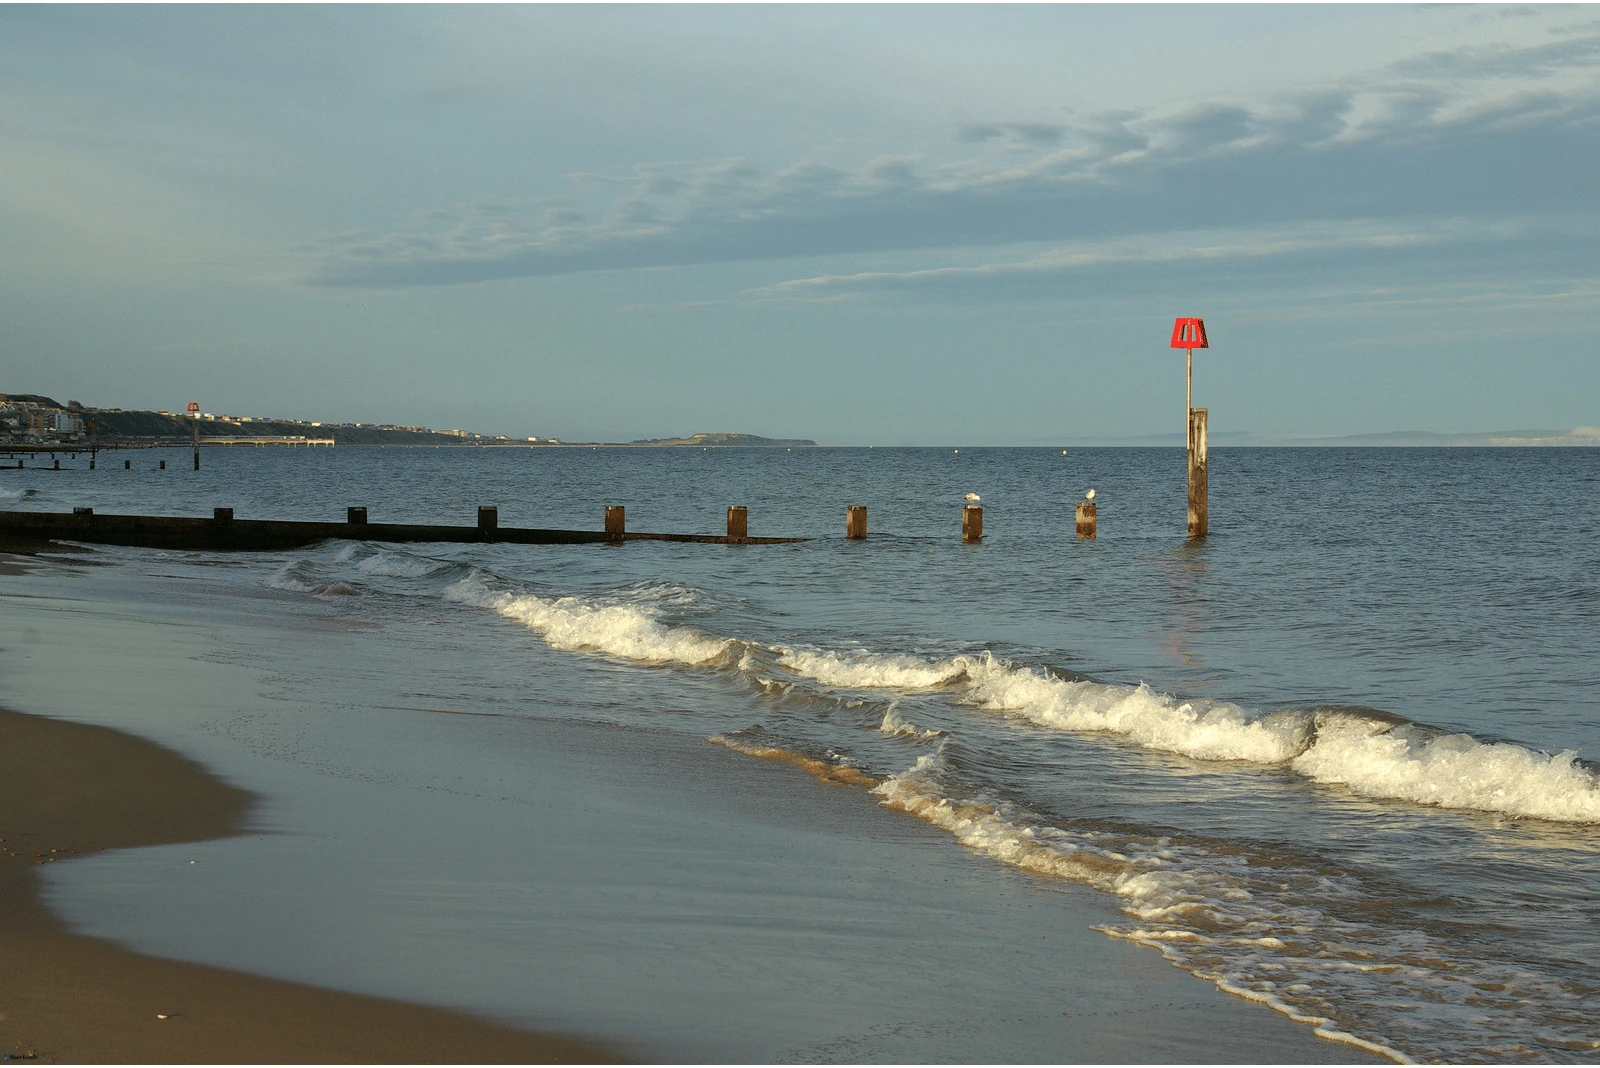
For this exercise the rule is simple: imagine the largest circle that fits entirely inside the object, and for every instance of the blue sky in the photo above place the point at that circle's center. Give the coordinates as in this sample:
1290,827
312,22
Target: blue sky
864,225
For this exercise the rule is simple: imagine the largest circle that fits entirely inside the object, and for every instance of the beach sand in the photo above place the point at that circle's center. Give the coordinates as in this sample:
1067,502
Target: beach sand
69,789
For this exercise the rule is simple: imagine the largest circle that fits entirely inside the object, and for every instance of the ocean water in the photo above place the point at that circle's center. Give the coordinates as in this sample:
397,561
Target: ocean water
1335,758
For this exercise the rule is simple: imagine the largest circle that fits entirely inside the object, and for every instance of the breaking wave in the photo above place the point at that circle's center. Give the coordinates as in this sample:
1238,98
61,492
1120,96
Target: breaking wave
1366,751
297,576
1369,752
625,630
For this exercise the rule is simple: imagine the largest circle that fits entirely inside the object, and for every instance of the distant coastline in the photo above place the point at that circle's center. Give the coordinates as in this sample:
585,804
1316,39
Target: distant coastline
36,421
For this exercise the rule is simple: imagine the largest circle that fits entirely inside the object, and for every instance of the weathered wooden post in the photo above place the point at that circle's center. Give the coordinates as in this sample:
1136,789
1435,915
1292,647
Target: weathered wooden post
616,522
357,517
194,414
1190,334
58,463
1088,519
163,464
738,523
127,465
972,523
855,521
488,517
94,443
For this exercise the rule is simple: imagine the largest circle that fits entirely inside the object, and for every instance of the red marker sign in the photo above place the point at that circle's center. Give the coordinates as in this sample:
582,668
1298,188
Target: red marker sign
1189,334
194,406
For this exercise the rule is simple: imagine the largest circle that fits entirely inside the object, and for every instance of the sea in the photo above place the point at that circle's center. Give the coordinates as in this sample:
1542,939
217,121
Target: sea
1336,758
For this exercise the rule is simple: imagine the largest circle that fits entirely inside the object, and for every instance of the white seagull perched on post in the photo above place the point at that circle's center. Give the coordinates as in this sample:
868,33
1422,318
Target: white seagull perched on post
1089,496
973,497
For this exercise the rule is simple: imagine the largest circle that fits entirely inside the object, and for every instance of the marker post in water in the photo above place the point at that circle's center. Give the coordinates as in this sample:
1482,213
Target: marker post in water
1190,334
194,413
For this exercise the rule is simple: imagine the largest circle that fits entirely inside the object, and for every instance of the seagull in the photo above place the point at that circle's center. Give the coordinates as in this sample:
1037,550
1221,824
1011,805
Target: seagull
1089,496
973,497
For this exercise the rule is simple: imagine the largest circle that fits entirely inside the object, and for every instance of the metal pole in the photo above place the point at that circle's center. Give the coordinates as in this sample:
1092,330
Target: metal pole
1188,396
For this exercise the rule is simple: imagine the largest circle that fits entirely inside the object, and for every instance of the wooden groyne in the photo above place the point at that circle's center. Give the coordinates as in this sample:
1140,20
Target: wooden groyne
223,533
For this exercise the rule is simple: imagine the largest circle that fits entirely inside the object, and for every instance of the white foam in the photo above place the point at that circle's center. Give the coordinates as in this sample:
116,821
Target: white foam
895,724
866,671
1154,720
1372,755
1452,771
621,630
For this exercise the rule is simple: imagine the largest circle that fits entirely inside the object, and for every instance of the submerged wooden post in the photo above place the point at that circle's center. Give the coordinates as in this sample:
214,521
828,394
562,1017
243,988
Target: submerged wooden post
488,517
616,522
972,523
357,517
1088,519
738,523
855,521
1199,524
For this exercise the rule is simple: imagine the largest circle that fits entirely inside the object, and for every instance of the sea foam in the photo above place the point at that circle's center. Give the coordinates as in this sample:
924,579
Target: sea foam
626,631
1368,752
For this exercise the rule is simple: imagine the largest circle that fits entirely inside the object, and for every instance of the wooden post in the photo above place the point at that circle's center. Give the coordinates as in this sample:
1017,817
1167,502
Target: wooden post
488,517
972,523
58,464
127,465
738,523
163,464
1088,520
197,442
1199,524
357,517
616,522
855,521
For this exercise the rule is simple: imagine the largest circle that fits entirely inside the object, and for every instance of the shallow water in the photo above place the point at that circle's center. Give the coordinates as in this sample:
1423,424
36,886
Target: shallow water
1332,758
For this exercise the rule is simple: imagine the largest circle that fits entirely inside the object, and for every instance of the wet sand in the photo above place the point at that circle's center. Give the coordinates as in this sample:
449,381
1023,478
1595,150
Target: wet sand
70,789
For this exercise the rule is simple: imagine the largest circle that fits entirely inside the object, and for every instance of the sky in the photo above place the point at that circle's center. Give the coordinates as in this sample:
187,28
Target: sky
862,225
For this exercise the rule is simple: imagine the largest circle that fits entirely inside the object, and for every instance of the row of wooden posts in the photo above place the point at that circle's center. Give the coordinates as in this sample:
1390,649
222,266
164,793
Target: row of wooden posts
855,521
127,465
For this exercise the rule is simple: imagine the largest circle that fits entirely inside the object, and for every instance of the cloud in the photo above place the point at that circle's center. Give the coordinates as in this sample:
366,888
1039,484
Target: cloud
1474,133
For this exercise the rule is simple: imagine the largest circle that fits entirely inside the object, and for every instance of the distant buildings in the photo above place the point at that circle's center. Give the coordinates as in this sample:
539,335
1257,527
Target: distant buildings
29,419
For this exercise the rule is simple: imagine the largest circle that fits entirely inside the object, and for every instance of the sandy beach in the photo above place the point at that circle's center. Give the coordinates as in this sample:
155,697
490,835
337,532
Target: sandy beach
70,789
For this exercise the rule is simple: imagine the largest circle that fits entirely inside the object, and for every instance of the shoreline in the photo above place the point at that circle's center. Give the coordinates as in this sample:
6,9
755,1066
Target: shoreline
740,894
71,789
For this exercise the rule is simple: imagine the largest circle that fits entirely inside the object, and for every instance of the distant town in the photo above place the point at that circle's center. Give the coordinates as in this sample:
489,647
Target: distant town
29,420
